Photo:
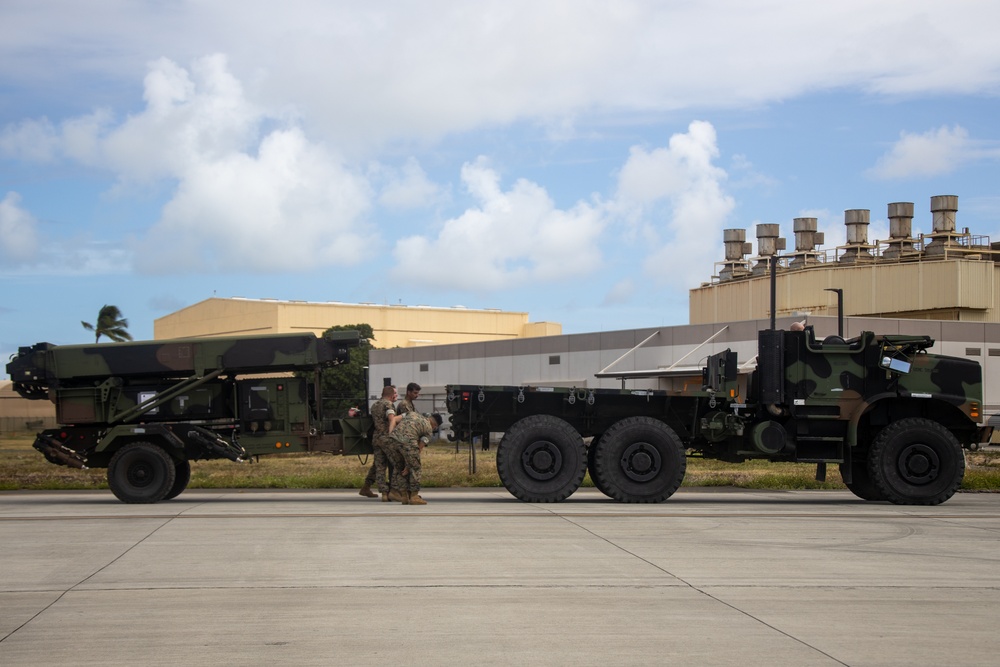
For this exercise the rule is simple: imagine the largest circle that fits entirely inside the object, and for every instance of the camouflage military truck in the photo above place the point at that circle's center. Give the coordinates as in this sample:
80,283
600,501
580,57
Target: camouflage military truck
144,410
892,416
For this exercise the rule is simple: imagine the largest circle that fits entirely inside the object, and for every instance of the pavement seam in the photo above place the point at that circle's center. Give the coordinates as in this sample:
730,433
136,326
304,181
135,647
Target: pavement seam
703,592
85,580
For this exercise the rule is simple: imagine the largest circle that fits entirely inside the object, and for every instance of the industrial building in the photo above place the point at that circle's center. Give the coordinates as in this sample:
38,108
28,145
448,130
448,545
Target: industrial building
944,275
393,325
945,284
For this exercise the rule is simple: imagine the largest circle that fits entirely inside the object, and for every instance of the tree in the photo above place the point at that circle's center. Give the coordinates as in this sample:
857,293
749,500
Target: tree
345,386
110,324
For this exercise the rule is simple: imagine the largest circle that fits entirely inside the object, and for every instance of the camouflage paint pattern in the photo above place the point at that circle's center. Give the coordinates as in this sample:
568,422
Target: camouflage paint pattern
820,398
195,397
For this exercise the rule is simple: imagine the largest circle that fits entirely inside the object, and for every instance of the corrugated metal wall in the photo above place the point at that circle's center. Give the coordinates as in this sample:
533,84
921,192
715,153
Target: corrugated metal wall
933,289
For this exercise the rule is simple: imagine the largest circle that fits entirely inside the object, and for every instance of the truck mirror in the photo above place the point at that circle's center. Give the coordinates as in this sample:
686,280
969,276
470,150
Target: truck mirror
897,365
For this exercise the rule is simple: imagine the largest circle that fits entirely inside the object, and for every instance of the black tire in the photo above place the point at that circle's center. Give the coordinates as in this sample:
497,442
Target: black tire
862,484
182,476
541,459
916,462
595,477
640,460
141,472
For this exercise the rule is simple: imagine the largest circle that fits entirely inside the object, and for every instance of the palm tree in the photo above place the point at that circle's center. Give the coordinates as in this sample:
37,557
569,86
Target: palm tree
110,323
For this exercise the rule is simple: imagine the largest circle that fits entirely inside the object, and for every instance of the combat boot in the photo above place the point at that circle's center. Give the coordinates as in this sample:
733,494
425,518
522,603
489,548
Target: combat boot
405,497
366,491
385,497
415,499
395,495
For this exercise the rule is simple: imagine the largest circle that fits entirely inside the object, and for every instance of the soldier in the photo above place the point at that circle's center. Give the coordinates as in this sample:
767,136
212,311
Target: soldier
406,405
411,432
382,414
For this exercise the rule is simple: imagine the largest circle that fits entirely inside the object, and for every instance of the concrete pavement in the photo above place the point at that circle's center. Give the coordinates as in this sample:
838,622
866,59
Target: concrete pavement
711,577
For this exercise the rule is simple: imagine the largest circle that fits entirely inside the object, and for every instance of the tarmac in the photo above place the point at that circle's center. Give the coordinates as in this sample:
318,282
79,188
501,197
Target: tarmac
710,577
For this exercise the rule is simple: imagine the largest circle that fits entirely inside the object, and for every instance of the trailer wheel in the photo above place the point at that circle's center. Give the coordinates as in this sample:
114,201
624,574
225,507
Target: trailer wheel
916,461
181,479
595,477
141,472
541,459
640,460
862,485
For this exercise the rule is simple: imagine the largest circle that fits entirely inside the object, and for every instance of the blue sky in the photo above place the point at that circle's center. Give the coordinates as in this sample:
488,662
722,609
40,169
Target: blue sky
577,160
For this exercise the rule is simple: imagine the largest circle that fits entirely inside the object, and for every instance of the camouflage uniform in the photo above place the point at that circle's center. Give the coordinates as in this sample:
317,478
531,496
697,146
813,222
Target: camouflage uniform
404,406
384,454
407,435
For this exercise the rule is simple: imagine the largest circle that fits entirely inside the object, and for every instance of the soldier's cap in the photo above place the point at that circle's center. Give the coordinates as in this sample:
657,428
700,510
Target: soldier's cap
436,416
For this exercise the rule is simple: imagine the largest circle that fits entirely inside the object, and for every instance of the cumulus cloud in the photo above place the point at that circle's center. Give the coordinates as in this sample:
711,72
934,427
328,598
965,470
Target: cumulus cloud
407,187
18,233
678,192
290,206
510,238
932,153
242,196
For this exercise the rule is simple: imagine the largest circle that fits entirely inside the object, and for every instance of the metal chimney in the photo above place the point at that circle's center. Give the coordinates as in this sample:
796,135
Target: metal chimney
943,212
737,248
900,229
768,245
807,239
857,248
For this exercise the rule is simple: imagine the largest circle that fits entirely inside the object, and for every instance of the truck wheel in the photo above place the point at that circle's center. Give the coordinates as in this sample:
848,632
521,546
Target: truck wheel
141,472
916,462
595,477
640,460
182,470
541,459
862,485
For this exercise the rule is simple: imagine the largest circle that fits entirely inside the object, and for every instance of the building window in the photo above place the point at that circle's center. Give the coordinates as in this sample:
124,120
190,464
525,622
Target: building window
973,351
424,368
994,352
554,360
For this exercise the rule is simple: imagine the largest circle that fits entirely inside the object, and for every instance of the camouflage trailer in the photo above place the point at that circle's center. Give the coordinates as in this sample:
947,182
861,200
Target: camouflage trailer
892,416
146,409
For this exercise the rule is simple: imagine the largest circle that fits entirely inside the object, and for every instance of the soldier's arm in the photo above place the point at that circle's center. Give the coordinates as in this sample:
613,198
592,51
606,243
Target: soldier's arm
393,420
424,437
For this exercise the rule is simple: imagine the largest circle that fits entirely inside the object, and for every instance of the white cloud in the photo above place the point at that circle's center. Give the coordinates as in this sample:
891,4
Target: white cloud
680,184
509,239
291,206
243,198
364,73
932,153
32,140
407,187
18,233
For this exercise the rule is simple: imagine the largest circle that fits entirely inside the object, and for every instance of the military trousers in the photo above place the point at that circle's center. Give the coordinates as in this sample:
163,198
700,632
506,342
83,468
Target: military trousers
411,456
387,460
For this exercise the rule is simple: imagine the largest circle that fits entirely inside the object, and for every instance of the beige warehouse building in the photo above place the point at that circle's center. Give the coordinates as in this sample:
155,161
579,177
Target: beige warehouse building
393,326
